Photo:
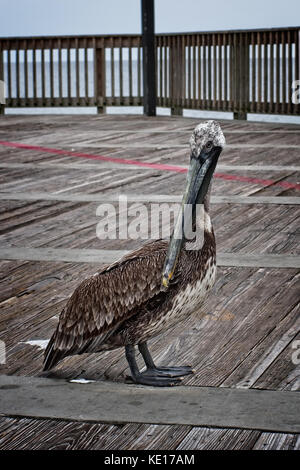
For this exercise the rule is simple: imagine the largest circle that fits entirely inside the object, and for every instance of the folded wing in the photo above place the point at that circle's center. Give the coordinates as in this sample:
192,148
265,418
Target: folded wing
100,304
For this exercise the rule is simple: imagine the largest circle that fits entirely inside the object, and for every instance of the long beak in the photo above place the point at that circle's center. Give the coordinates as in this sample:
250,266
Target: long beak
198,178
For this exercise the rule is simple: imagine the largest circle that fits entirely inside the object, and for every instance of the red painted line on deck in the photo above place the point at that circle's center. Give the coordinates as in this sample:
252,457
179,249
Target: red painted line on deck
263,182
155,166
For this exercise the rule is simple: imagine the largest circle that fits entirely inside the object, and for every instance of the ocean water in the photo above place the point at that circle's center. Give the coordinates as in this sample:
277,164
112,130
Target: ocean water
89,86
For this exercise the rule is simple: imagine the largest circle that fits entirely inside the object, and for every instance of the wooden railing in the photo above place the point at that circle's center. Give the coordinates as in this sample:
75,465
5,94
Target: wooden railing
69,71
236,71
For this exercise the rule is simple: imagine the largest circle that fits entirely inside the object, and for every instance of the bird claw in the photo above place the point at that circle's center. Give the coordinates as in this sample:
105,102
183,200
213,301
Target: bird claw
150,377
175,371
162,376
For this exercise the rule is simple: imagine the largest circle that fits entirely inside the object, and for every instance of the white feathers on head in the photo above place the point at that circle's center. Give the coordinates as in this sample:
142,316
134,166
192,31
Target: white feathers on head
205,132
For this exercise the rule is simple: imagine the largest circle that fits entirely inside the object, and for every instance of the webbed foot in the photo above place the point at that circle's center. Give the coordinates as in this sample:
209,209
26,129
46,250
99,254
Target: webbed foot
154,378
173,371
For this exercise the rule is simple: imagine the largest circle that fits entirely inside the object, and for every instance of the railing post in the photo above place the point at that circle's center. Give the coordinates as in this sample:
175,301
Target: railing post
297,59
149,72
240,76
2,95
99,77
176,76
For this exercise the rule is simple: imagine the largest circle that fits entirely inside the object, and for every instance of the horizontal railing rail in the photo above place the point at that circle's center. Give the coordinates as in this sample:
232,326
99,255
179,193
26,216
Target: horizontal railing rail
237,71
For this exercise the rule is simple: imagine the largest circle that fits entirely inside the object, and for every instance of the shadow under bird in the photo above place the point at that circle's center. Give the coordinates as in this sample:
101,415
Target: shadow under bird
152,288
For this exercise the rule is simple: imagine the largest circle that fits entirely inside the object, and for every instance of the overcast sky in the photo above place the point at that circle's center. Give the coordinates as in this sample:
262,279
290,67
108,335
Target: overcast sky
66,17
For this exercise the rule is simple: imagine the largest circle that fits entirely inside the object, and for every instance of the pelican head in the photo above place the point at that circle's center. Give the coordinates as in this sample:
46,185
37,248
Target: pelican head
207,142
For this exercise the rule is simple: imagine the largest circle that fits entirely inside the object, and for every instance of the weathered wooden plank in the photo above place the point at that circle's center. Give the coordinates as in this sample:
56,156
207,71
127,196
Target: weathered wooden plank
36,434
121,74
112,68
278,441
86,70
34,66
60,72
2,110
277,65
253,74
266,80
204,74
109,256
57,254
246,409
111,165
287,361
271,72
69,78
77,71
259,73
52,78
228,131
251,370
184,146
289,70
130,73
201,438
43,82
35,196
258,260
117,166
226,67
139,81
283,72
9,75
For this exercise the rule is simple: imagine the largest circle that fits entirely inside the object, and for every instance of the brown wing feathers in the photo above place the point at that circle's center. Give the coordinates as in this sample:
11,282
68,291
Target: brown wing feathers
103,302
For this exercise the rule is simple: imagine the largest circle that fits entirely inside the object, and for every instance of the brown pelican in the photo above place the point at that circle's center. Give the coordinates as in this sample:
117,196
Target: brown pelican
152,288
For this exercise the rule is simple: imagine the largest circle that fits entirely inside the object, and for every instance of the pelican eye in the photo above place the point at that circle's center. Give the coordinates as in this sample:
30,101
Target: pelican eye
208,145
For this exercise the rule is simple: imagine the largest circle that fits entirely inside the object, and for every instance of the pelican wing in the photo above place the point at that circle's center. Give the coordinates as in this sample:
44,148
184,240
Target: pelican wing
101,303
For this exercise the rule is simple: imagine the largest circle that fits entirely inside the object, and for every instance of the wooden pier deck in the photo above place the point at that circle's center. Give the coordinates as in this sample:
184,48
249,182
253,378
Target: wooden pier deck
55,170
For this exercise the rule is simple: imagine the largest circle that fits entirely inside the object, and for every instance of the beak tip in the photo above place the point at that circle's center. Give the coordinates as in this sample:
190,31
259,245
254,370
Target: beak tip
166,279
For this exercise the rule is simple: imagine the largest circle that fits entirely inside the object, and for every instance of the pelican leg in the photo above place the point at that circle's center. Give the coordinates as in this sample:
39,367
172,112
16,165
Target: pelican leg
147,377
161,371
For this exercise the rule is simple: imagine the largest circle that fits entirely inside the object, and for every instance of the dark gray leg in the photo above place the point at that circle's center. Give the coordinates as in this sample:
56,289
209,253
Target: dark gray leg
161,371
146,378
143,348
